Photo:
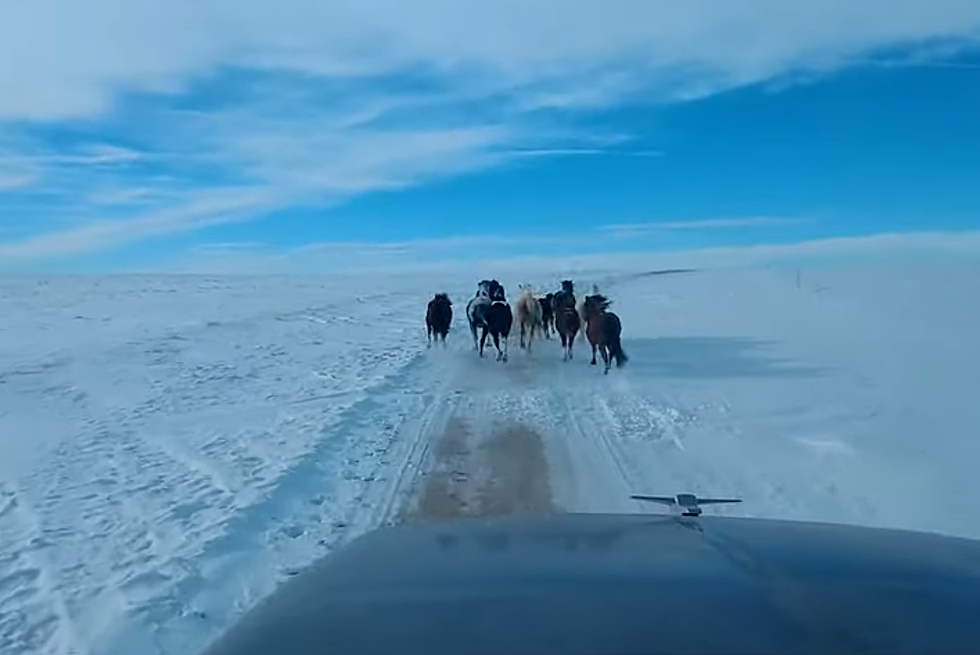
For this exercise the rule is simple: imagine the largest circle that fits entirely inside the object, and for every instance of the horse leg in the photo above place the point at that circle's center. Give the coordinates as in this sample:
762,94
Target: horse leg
523,328
606,359
428,334
473,331
483,340
496,344
564,345
593,362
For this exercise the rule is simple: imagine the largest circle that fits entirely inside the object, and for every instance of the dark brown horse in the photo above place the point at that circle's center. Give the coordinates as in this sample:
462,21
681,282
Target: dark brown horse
567,321
439,317
603,329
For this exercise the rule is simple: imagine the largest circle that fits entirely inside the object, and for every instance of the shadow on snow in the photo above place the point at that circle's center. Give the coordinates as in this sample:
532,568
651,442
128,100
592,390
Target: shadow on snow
709,357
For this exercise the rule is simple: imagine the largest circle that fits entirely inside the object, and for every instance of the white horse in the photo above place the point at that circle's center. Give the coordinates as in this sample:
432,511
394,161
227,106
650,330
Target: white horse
529,315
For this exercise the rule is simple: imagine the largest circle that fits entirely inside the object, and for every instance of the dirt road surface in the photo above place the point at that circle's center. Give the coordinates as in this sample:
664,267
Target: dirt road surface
503,473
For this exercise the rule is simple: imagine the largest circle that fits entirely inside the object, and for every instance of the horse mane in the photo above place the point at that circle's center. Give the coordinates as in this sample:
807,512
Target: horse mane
597,300
496,291
443,297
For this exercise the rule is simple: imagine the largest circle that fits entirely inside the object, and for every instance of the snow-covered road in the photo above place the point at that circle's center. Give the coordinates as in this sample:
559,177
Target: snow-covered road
170,448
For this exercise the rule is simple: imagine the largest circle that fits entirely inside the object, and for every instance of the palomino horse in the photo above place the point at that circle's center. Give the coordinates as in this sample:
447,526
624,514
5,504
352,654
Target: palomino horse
603,329
438,317
499,320
477,308
528,314
567,321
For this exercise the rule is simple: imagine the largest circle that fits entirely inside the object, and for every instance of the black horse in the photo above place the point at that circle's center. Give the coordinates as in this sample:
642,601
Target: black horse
547,313
438,317
498,320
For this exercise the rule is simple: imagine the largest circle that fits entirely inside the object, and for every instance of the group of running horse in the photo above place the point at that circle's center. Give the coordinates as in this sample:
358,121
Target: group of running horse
489,313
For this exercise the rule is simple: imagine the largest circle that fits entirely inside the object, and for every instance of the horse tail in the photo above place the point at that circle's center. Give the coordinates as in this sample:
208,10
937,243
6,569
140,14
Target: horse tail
614,329
616,352
535,310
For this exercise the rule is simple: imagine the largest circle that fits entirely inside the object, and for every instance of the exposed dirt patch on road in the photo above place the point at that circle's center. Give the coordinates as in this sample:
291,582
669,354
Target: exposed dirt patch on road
500,473
518,480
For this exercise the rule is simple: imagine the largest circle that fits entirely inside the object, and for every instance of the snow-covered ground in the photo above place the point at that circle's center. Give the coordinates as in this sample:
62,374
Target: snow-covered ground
171,447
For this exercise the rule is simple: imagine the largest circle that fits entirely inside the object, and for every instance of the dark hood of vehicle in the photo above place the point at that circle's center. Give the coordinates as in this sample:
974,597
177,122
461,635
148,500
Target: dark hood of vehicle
601,584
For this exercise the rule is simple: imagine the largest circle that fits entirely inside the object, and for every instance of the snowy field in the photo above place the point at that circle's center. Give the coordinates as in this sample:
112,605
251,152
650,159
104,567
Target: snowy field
172,447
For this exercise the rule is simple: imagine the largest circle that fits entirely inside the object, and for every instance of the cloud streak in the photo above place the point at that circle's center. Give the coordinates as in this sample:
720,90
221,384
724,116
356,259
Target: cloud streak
630,230
213,208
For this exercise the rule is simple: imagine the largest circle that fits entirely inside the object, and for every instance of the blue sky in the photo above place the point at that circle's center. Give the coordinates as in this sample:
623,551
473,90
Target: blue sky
215,135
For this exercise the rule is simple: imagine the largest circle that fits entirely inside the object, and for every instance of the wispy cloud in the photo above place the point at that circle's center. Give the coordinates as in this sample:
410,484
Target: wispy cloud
121,196
547,254
211,208
572,152
123,121
10,180
283,148
629,230
91,155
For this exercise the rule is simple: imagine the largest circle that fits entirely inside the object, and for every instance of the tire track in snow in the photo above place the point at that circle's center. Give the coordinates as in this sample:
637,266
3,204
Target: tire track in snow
439,413
314,507
562,402
601,482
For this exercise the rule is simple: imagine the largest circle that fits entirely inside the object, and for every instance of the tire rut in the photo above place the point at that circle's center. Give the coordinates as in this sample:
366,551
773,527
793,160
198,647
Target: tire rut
502,474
